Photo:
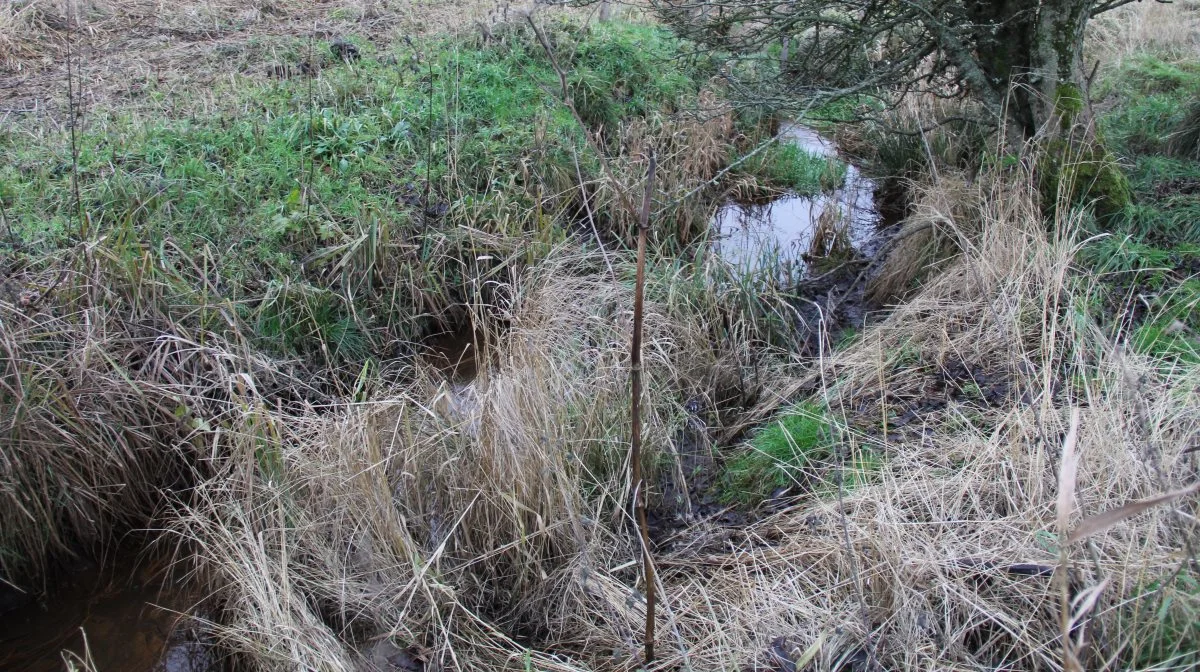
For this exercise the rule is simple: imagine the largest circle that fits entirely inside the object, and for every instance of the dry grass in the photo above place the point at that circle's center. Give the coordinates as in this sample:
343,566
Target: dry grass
484,527
102,397
447,531
944,215
1167,29
1185,141
926,584
435,518
692,148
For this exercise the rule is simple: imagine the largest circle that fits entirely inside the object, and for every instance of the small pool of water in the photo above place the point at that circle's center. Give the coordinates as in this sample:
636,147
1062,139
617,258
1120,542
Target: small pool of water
777,236
117,622
456,356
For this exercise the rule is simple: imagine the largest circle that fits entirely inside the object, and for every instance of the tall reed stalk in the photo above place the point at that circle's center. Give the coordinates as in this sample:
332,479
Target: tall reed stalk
635,442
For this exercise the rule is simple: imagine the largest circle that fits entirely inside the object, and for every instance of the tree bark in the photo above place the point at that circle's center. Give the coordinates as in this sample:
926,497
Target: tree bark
1037,45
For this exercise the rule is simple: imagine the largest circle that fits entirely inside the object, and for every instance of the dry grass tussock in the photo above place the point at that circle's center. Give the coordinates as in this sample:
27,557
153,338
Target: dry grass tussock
691,148
101,396
943,217
444,525
437,518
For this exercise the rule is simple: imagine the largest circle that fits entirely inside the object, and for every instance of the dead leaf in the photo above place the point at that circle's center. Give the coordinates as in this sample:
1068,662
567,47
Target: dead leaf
1067,473
1101,522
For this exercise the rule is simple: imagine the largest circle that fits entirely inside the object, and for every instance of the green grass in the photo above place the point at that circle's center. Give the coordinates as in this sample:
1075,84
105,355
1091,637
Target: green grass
797,450
341,214
1148,102
1150,255
776,454
785,166
1172,332
1164,626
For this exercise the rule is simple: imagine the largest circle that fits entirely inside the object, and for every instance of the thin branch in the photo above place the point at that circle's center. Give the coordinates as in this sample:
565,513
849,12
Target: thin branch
71,113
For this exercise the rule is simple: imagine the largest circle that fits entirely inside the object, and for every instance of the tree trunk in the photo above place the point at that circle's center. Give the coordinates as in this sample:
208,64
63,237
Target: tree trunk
1037,45
605,10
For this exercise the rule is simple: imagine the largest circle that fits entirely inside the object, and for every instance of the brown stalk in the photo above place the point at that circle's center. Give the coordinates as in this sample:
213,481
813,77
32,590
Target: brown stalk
72,107
635,357
635,442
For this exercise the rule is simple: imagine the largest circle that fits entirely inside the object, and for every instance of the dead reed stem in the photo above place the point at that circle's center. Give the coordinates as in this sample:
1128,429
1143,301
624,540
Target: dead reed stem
635,443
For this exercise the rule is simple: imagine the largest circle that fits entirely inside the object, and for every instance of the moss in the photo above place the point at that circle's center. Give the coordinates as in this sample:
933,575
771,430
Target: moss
1068,104
1083,172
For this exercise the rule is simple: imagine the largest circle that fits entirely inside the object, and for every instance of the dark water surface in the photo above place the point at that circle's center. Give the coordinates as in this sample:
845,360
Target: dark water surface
119,618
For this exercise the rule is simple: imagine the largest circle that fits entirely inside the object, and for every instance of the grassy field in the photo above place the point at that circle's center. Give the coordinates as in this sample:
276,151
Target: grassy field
219,282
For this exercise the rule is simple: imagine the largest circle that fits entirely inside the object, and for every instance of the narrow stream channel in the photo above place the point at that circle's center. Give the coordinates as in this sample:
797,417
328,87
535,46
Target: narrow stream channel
775,238
114,619
132,622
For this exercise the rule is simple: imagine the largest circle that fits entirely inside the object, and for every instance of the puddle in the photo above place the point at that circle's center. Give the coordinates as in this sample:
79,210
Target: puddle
132,624
775,238
455,354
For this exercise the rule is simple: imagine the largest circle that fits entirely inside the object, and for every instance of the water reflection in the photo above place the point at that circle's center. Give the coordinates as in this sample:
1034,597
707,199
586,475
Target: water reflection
776,237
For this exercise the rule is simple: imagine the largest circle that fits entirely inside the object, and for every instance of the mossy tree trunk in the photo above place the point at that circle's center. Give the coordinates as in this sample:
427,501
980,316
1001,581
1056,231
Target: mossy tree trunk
1037,45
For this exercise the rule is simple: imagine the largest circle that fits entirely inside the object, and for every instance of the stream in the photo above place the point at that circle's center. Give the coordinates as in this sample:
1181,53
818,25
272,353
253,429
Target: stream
116,619
775,238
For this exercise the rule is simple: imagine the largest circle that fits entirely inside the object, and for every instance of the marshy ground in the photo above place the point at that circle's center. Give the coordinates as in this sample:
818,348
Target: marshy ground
314,331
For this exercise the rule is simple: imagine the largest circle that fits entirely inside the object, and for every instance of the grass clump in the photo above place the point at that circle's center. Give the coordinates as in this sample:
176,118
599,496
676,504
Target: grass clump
1171,330
1185,141
785,165
1166,624
777,456
1151,101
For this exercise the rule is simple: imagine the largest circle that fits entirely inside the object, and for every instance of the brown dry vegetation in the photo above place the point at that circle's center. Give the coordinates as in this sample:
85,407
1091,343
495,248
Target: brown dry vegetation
445,526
